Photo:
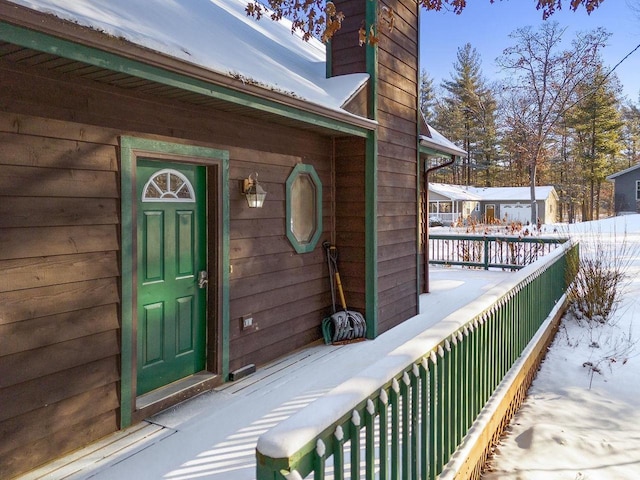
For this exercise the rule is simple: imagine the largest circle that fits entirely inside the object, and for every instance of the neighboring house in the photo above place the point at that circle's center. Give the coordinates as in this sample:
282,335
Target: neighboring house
452,203
626,190
134,273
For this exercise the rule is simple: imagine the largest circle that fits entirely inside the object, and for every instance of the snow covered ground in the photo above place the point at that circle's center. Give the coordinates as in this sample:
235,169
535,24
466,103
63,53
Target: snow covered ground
581,419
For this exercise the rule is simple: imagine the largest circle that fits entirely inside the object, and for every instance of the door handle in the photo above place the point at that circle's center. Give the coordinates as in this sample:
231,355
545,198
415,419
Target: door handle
203,279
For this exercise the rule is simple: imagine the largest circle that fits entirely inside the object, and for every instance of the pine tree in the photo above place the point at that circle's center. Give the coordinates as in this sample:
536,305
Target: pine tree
427,96
467,115
596,126
631,133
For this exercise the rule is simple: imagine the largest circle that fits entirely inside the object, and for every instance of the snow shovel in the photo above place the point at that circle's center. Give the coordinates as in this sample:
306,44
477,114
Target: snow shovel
342,326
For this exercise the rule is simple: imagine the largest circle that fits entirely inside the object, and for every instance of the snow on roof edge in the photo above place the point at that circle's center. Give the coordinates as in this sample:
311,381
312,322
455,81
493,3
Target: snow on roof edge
461,192
265,51
438,141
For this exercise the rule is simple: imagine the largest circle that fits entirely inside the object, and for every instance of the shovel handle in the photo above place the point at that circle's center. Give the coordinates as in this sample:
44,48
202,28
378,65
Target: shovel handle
340,292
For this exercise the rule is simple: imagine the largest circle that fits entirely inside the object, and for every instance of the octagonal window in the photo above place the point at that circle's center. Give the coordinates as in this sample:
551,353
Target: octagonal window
304,208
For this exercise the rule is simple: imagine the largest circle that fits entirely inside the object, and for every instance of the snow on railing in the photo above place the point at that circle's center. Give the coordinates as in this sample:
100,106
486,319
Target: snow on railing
406,414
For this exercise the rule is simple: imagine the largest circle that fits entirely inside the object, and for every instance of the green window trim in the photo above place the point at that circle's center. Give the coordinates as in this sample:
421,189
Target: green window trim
302,246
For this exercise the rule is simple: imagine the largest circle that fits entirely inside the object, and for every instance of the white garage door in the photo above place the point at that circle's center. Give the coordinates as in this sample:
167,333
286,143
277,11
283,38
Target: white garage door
518,212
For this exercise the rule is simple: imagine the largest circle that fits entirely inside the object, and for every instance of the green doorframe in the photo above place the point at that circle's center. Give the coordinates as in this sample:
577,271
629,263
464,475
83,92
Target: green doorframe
130,149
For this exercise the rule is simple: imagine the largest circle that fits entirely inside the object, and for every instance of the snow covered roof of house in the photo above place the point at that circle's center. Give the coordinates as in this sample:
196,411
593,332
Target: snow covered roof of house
460,192
219,36
437,141
454,192
513,193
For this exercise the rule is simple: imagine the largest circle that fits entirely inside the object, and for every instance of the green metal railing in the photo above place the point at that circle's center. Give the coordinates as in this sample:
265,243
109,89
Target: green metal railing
404,416
489,251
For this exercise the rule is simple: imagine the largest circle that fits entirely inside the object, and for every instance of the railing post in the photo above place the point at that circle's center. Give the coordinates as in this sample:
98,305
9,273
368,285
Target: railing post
395,429
406,425
354,442
370,441
486,253
321,450
383,416
454,378
415,413
338,454
442,411
463,386
433,416
424,418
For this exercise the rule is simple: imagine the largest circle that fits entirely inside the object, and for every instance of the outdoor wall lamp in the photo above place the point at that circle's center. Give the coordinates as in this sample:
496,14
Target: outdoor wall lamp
252,190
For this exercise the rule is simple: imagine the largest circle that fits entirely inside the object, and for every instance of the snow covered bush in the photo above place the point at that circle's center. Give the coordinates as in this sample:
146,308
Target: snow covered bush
596,290
600,277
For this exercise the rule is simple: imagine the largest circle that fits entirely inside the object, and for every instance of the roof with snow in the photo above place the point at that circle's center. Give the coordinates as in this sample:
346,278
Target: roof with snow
219,36
513,194
454,192
435,140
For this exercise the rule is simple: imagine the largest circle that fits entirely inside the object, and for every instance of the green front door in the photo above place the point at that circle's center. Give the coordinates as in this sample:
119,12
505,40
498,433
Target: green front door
171,272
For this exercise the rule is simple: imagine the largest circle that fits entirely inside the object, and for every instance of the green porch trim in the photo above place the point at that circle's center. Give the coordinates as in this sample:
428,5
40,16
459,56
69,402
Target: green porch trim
328,59
371,235
371,185
432,151
129,146
99,58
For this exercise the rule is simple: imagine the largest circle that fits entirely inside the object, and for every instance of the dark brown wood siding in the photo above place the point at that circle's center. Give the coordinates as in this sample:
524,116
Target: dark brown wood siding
59,320
350,219
60,249
286,293
397,166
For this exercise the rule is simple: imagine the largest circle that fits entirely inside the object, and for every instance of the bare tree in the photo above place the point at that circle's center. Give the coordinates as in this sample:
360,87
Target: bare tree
543,79
322,19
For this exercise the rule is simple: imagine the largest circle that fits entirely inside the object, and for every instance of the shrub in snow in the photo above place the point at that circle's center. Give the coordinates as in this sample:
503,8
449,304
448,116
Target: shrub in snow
596,291
600,278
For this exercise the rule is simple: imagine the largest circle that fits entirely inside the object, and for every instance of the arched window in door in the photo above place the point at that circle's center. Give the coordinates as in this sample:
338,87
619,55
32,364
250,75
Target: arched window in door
168,185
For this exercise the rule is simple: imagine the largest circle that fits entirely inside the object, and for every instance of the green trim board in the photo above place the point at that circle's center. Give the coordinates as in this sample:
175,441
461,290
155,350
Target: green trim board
310,172
328,59
432,151
371,186
130,148
371,235
110,61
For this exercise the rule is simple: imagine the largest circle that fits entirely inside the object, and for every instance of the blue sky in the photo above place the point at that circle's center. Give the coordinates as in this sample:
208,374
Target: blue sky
487,27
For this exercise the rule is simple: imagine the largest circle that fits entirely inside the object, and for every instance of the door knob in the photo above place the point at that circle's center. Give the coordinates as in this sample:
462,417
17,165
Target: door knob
203,279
